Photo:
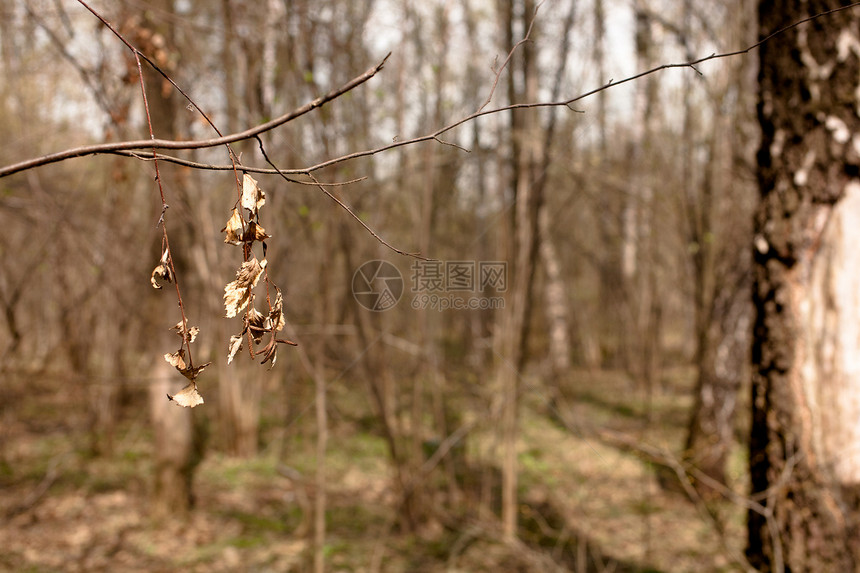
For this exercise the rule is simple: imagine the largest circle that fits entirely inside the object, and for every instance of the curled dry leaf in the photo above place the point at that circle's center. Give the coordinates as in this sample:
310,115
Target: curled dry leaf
162,271
188,397
256,232
176,359
237,232
238,293
193,372
270,352
235,347
252,196
234,229
276,320
256,323
191,333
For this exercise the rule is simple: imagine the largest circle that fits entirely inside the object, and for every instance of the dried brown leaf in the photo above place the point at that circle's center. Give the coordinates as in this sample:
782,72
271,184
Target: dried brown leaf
257,231
188,397
234,229
256,324
180,330
162,271
176,359
193,373
237,294
252,196
276,315
235,347
270,352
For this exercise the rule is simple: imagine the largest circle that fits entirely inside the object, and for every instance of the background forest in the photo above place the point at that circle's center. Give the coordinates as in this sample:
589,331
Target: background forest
586,410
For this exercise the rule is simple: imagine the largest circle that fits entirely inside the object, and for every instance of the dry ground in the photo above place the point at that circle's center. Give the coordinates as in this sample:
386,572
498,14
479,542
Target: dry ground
585,503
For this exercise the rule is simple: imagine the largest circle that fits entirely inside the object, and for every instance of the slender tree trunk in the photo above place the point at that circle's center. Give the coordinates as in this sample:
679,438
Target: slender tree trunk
638,249
611,324
174,443
172,426
555,293
720,257
514,321
805,441
320,478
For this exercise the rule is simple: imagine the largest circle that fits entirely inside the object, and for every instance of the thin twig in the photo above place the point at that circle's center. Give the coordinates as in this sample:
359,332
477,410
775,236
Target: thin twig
504,65
196,144
343,206
150,156
355,82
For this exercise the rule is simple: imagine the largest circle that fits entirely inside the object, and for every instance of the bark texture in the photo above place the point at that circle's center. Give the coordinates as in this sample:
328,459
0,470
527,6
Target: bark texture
804,443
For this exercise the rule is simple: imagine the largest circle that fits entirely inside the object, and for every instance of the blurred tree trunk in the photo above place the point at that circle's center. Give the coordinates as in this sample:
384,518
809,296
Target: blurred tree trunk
639,259
514,319
721,321
174,446
556,306
172,425
612,325
805,439
720,260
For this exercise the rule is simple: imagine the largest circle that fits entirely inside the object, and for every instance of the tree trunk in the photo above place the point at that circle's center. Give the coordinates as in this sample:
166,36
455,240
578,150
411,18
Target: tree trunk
514,321
639,234
174,446
718,206
805,442
174,454
556,306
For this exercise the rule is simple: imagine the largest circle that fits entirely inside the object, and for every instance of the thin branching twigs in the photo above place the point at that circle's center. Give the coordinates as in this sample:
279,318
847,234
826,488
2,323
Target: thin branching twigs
109,148
344,206
126,146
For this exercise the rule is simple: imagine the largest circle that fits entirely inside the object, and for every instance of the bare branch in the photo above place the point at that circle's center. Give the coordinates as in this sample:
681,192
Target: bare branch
150,156
196,144
525,39
352,84
342,205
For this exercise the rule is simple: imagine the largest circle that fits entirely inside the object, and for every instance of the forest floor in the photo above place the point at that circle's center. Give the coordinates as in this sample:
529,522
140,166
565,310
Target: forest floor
590,496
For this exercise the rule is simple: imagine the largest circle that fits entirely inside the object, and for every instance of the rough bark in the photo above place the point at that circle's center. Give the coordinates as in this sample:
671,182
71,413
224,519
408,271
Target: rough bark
804,447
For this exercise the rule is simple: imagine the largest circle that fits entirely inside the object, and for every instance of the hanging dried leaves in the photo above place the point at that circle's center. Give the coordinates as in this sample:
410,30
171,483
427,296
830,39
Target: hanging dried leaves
237,294
162,271
237,231
190,334
256,232
257,325
235,347
252,196
241,231
276,314
234,229
177,360
188,397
